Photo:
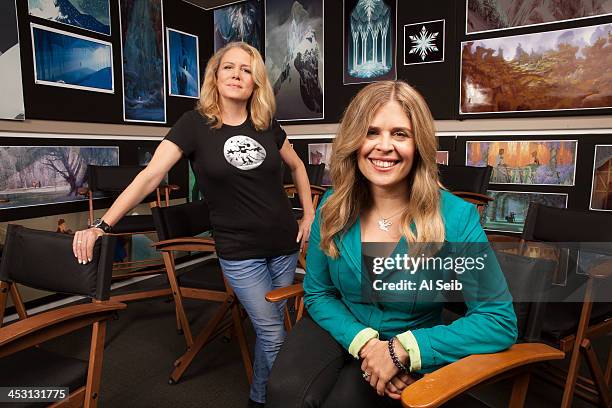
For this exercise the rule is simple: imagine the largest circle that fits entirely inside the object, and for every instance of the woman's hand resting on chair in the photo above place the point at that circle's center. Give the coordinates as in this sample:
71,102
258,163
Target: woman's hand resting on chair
378,364
83,244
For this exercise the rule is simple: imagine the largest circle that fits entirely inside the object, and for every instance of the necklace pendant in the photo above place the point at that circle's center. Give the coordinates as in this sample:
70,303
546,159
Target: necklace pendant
384,224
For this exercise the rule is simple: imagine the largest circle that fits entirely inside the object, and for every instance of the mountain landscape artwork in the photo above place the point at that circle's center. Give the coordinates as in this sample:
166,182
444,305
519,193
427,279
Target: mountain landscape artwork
183,64
142,54
294,57
72,61
240,22
37,175
369,41
10,64
93,15
487,15
557,70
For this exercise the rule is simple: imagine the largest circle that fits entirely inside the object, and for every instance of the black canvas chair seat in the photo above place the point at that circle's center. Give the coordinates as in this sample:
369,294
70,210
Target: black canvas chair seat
134,223
562,318
204,275
37,367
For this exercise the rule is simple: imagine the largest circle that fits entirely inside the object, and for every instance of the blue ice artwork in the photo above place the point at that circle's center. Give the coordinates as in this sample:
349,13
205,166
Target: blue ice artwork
239,22
183,64
369,40
93,15
142,53
71,61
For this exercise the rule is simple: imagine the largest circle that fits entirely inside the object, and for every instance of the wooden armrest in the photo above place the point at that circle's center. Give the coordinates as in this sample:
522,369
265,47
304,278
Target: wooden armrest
601,269
292,189
287,292
44,320
449,381
170,187
475,197
185,244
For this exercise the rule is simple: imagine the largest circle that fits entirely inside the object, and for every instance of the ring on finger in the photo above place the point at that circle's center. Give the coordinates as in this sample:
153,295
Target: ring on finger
366,375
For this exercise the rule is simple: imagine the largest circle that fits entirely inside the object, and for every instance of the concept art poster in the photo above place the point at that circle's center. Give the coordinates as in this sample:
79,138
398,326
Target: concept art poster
37,175
72,61
369,41
442,157
92,15
240,22
142,54
424,42
320,153
543,162
183,64
294,57
486,15
556,70
601,189
10,64
508,210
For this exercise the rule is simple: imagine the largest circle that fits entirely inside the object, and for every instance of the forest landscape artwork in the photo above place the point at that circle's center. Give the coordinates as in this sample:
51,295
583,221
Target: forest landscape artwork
92,15
487,15
294,57
543,162
508,210
142,53
556,70
183,64
37,175
240,22
72,61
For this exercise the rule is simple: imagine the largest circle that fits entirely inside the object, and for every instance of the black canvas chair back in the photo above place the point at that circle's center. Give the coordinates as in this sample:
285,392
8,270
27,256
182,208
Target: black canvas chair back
182,220
465,178
44,260
112,179
551,224
315,173
575,316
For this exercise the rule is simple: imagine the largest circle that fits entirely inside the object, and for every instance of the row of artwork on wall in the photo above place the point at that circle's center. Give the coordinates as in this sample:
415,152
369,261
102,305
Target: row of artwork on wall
71,60
545,71
528,162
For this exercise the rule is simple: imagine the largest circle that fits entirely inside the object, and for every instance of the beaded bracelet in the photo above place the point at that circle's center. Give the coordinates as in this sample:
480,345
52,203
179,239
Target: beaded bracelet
396,361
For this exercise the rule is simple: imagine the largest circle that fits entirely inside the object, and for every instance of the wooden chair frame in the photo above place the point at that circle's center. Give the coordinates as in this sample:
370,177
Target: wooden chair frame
30,331
216,326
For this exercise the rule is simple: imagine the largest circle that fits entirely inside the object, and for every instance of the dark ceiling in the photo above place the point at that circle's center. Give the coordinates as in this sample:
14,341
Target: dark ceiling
210,4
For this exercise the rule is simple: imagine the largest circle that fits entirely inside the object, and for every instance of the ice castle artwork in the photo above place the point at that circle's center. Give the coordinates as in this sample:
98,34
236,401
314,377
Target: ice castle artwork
369,41
142,52
10,64
294,57
183,64
239,22
92,15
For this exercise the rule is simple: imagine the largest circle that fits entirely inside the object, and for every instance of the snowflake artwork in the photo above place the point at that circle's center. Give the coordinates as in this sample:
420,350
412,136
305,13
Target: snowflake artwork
423,43
370,40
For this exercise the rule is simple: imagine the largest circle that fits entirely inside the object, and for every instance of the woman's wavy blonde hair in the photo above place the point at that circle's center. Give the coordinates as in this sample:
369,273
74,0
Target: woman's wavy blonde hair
351,193
261,104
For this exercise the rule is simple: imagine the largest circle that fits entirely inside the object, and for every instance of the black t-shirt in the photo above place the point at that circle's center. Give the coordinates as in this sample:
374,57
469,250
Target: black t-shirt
238,170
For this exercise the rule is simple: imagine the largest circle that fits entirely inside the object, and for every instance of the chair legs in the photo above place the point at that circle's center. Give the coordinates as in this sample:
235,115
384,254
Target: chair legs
596,373
519,390
94,372
182,364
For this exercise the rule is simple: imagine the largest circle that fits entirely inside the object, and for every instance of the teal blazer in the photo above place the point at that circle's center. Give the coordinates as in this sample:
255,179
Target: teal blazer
333,297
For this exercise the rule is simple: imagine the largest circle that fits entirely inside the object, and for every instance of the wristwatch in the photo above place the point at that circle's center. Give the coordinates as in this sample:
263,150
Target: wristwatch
99,223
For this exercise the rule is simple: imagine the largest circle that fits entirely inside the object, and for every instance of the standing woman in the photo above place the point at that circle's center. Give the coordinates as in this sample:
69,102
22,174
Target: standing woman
235,147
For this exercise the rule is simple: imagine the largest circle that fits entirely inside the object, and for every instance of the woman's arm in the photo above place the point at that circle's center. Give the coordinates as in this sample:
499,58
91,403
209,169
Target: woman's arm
166,155
300,178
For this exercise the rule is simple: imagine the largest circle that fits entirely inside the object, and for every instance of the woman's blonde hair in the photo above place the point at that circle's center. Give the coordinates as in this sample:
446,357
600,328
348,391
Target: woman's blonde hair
261,104
351,193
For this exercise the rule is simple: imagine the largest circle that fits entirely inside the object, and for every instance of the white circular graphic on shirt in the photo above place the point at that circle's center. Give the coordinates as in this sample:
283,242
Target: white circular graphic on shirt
243,152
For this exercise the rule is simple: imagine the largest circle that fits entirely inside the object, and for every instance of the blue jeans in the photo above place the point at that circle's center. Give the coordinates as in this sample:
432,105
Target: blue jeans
251,279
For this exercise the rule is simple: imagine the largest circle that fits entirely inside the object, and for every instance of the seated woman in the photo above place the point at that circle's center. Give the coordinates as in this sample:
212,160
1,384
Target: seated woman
355,349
